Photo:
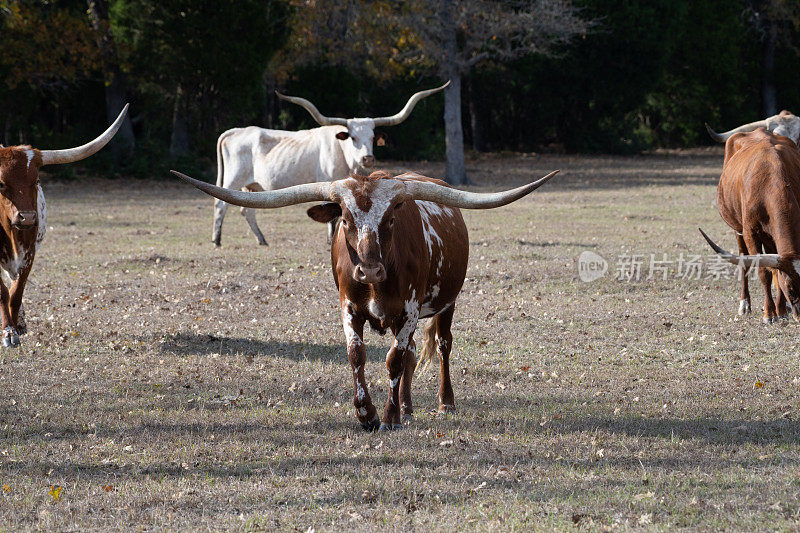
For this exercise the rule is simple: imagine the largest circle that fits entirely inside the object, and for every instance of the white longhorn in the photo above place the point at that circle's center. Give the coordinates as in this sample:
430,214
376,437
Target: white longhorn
257,159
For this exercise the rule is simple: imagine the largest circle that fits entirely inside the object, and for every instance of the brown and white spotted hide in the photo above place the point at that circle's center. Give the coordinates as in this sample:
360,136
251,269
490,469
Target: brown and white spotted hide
395,261
22,228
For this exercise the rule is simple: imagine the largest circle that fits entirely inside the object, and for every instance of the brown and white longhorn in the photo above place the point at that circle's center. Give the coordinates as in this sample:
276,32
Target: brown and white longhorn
399,254
23,219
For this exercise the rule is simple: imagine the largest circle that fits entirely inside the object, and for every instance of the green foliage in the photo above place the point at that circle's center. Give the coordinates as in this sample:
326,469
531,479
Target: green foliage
342,93
649,74
217,51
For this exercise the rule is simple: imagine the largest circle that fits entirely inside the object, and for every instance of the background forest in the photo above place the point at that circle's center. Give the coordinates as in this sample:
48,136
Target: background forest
587,76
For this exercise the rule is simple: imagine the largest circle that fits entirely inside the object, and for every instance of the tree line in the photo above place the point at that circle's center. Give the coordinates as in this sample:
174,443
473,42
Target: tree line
537,75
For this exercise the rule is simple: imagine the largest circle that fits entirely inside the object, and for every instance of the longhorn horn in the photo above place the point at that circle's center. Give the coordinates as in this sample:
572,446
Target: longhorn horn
432,192
297,194
722,137
747,261
406,111
321,119
70,155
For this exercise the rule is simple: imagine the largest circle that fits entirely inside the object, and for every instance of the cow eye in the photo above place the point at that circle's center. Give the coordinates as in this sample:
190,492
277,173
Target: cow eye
3,186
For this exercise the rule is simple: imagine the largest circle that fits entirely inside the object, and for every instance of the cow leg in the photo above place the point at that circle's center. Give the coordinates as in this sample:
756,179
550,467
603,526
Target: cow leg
249,215
10,334
444,343
15,303
780,305
744,298
220,208
406,405
754,247
356,354
770,315
400,354
22,326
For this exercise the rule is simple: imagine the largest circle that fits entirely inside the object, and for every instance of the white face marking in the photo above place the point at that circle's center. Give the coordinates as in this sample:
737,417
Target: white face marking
29,154
359,144
787,126
382,196
362,411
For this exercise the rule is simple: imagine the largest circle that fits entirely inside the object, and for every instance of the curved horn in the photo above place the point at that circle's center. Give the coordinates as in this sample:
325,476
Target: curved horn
714,135
308,192
722,137
70,155
432,192
747,261
321,119
406,111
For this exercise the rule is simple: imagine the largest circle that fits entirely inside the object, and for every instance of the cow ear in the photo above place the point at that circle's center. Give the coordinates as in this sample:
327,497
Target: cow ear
342,135
325,212
380,139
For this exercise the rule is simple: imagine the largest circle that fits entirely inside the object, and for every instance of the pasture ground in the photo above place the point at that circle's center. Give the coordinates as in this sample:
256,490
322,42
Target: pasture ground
167,384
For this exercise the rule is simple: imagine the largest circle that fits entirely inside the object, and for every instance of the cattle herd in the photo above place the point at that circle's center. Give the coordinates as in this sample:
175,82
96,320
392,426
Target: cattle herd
399,245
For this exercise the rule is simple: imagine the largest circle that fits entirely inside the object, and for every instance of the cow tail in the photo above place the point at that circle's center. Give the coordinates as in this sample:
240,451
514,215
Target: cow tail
428,349
220,168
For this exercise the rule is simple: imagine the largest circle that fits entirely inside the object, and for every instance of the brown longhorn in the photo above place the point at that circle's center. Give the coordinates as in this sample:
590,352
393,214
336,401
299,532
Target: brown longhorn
399,255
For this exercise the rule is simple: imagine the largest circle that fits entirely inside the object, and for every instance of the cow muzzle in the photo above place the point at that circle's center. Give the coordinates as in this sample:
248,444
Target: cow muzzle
368,161
369,274
24,219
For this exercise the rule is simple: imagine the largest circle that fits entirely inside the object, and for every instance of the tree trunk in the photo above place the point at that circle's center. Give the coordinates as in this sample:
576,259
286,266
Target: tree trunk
476,119
456,173
179,141
270,113
124,143
768,96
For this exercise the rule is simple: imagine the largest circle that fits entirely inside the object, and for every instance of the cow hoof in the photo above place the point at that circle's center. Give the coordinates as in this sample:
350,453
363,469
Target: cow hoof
785,316
22,329
769,319
391,427
263,244
744,307
10,337
447,409
372,425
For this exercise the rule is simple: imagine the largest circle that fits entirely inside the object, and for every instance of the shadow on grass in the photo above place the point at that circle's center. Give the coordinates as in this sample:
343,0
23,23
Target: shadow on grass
184,344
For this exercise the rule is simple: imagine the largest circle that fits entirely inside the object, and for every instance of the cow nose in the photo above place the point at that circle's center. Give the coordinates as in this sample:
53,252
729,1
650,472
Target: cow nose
24,219
368,161
369,273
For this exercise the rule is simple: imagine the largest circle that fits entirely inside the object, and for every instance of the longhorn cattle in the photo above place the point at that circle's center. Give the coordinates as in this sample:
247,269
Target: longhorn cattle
759,198
259,159
784,123
399,255
23,219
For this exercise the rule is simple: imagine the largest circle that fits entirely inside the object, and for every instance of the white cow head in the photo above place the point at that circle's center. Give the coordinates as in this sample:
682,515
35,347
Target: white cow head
357,140
784,123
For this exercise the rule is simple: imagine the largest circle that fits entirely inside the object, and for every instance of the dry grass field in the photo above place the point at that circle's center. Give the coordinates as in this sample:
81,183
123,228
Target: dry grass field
170,385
